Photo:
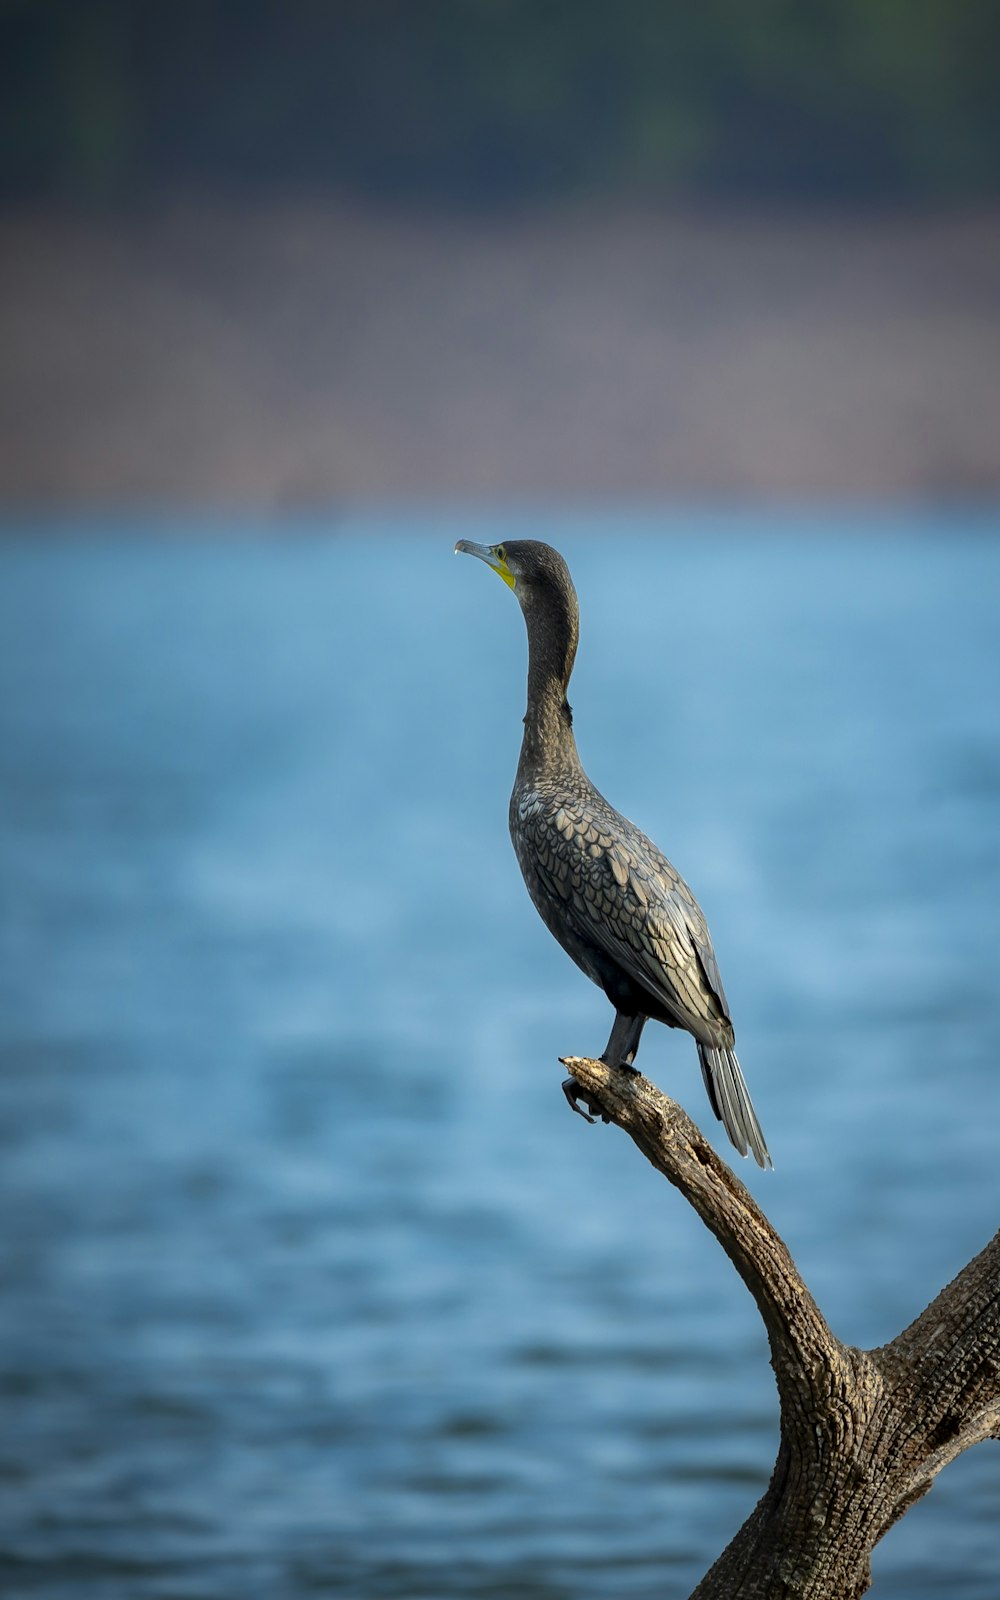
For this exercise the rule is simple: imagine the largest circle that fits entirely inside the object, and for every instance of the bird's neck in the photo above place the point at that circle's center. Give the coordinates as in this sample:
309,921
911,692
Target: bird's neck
548,744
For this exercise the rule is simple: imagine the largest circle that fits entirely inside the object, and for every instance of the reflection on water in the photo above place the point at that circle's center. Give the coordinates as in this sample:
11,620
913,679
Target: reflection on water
311,1284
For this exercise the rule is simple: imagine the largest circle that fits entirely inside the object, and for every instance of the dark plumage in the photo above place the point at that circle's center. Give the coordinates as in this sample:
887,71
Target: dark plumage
603,889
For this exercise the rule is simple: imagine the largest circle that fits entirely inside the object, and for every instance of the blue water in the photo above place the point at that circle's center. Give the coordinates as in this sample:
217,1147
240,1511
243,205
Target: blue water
311,1284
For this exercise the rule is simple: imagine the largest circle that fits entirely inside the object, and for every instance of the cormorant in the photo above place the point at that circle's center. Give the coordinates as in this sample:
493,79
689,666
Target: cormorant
603,889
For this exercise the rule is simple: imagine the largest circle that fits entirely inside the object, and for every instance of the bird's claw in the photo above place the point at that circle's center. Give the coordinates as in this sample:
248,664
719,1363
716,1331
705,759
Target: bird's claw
574,1093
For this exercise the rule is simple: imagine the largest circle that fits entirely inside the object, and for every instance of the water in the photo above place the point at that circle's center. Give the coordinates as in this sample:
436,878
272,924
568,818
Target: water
311,1285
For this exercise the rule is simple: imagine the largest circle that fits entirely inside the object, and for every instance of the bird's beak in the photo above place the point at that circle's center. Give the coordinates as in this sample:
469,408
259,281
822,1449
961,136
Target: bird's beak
485,552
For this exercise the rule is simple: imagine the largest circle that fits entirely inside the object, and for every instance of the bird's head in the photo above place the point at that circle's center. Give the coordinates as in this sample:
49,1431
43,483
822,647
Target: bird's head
541,582
533,570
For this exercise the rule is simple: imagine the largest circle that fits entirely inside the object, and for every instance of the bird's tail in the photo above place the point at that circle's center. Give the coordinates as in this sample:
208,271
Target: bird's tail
731,1102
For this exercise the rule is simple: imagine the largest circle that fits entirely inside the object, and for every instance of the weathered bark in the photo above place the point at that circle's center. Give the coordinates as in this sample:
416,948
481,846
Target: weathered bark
863,1432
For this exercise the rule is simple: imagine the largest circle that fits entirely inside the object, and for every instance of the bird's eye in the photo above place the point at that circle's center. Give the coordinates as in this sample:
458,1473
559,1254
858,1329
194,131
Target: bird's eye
500,553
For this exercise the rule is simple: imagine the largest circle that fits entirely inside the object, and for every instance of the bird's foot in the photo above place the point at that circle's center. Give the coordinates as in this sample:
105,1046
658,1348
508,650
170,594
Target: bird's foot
575,1093
619,1066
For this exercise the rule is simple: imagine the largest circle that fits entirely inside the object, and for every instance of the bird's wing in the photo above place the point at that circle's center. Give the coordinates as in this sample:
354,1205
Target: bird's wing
662,938
697,927
621,894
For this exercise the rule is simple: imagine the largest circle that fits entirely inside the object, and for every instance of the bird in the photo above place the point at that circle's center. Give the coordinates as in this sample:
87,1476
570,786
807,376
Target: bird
603,889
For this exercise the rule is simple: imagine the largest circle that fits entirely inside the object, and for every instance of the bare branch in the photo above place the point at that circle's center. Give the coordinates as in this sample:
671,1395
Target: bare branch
964,1319
669,1139
983,1425
863,1433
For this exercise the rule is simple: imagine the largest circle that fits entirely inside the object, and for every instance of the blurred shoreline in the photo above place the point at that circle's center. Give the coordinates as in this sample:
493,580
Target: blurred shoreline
301,352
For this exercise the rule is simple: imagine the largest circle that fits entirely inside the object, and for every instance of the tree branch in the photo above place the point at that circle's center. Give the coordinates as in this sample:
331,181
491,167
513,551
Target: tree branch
669,1139
983,1425
863,1433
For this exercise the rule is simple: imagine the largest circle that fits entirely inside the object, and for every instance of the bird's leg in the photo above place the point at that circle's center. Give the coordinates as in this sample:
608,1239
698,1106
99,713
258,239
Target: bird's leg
624,1042
620,1053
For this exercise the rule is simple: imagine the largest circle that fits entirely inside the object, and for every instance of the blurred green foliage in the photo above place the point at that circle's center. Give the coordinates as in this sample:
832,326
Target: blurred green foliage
489,101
